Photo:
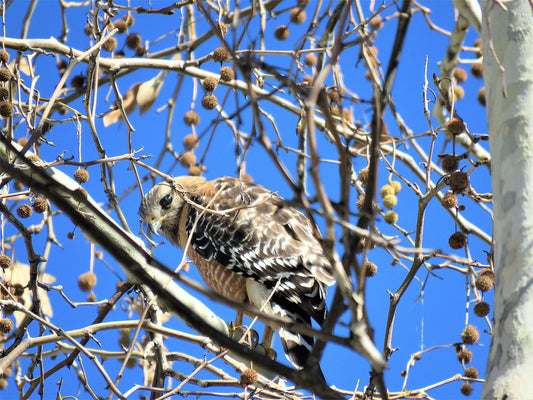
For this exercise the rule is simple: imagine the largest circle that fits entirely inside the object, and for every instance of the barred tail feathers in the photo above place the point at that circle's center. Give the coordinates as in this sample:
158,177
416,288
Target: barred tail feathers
297,346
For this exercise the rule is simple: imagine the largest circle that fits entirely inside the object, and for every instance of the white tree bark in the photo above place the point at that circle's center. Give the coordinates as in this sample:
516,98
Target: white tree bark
507,27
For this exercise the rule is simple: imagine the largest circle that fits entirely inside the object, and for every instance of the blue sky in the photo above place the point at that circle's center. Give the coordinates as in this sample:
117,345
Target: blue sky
434,318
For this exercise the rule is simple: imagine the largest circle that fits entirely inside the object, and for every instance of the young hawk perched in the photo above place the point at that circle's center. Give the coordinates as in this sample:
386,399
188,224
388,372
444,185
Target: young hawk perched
245,243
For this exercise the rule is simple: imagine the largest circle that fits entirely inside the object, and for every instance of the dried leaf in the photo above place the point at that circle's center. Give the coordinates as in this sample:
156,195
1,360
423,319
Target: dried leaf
19,275
149,90
22,66
129,101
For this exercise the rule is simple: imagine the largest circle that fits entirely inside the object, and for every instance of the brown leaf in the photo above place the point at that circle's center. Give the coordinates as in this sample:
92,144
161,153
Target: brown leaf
19,275
149,90
22,66
129,101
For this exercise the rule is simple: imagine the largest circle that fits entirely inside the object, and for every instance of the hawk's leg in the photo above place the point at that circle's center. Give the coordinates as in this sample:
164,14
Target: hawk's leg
268,336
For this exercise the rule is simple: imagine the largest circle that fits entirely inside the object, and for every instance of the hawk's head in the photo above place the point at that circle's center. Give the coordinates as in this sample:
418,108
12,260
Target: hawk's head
162,205
159,204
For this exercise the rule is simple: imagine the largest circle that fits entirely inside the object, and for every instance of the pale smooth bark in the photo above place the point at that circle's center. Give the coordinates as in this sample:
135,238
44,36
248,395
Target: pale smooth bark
507,34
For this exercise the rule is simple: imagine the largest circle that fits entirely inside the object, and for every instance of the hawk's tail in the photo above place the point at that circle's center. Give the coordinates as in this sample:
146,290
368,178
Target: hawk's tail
297,346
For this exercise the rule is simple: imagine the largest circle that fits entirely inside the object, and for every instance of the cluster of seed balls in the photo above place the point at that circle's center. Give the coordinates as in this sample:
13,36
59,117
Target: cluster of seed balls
133,41
297,16
469,336
86,283
476,70
335,97
190,143
388,194
6,107
221,55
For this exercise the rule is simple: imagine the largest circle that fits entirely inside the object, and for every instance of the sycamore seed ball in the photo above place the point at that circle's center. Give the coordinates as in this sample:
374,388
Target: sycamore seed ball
457,240
4,57
391,217
133,40
190,142
110,44
281,32
460,75
397,186
222,28
376,23
130,19
78,82
386,190
390,201
465,356
248,377
449,163
24,211
347,115
363,176
5,75
87,281
40,205
6,109
81,175
4,94
209,101
5,262
450,200
188,159
335,96
226,74
131,363
298,15
484,282
124,340
455,125
477,70
369,268
458,181
220,54
121,25
310,60
471,372
470,335
458,92
191,118
195,170
6,326
467,389
210,84
481,97
482,309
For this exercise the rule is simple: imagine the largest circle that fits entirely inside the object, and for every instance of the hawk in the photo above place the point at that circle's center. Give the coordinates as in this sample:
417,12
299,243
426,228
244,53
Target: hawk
249,245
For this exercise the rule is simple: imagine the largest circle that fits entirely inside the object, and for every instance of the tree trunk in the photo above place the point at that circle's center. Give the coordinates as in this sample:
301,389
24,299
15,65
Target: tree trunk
508,42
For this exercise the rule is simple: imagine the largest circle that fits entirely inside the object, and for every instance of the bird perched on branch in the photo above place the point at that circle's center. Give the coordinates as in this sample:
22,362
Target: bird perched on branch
249,245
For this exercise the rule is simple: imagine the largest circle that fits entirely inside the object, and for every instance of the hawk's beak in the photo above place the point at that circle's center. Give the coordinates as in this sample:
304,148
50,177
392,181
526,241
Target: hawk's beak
154,225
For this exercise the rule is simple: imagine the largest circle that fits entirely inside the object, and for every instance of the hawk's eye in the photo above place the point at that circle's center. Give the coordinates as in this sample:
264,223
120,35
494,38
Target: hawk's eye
166,201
